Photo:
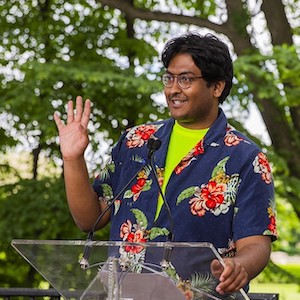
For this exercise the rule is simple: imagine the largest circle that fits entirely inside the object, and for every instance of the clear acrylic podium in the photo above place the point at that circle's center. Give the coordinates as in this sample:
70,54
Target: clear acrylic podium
124,270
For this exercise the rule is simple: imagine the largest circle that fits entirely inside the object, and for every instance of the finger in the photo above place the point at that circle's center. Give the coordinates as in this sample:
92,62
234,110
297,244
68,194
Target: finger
79,109
229,266
70,112
233,278
216,268
228,281
224,278
58,121
86,113
239,282
232,284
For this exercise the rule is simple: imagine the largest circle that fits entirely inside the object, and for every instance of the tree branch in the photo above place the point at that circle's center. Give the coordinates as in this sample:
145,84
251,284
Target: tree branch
278,24
137,13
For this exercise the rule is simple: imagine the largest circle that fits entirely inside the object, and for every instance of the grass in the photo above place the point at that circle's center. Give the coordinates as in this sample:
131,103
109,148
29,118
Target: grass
286,291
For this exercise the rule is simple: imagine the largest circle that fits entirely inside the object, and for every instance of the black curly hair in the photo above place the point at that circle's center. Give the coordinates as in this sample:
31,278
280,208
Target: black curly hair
210,55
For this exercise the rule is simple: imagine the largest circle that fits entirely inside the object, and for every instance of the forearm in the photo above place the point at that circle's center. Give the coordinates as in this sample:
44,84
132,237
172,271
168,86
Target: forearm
253,254
82,199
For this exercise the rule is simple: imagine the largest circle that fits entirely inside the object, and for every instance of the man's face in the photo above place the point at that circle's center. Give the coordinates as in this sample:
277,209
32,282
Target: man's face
195,107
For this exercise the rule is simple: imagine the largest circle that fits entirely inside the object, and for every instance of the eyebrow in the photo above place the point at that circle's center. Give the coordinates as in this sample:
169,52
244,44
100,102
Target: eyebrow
182,73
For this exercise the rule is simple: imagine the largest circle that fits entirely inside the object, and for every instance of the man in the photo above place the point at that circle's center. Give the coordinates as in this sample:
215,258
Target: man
216,183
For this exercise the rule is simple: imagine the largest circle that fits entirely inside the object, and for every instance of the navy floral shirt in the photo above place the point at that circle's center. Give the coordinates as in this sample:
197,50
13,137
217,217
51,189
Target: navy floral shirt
220,192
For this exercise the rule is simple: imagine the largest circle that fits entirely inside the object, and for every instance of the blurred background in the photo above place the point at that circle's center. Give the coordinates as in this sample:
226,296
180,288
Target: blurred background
109,51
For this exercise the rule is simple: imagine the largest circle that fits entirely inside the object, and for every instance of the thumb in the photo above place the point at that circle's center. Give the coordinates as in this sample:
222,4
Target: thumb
216,268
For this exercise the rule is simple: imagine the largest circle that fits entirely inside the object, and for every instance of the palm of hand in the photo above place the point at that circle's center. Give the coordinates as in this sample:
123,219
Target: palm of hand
74,136
73,140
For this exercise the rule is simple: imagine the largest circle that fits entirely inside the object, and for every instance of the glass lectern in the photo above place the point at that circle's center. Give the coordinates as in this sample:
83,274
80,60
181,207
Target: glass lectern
124,270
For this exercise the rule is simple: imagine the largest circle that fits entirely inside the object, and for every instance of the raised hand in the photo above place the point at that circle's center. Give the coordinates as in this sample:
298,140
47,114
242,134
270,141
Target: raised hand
74,135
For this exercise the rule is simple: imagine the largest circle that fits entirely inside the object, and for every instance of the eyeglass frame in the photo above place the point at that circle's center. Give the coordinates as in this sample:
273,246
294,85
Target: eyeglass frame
179,76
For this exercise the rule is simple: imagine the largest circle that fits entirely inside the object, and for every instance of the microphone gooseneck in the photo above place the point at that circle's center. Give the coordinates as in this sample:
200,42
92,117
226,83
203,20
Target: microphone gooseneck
165,263
153,145
171,234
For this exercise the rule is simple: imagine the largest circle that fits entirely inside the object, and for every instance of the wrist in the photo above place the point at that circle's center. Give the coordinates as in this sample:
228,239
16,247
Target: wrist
75,158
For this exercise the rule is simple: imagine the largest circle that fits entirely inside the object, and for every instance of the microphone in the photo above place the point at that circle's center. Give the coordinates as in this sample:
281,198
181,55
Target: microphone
153,145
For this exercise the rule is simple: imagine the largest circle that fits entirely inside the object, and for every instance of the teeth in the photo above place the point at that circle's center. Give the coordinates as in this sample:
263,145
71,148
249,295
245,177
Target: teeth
178,101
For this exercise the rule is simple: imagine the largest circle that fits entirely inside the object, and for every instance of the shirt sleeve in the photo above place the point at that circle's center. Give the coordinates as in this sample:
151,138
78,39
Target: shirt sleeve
255,211
103,183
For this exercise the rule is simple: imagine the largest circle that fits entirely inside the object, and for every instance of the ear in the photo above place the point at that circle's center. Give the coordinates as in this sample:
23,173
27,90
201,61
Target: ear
219,87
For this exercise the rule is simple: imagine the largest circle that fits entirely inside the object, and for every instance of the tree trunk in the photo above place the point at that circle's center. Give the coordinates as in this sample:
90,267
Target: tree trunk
35,152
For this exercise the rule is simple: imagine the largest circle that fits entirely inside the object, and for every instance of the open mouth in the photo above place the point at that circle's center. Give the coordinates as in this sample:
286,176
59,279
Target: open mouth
178,102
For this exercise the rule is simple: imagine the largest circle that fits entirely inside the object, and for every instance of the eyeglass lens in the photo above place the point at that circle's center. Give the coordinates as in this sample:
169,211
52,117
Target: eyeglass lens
183,80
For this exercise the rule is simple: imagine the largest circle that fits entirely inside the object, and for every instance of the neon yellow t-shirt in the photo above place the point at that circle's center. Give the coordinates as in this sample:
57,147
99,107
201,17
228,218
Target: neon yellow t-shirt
182,140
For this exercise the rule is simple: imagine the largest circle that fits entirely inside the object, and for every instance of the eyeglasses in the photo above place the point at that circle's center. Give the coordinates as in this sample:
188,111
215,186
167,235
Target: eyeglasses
183,80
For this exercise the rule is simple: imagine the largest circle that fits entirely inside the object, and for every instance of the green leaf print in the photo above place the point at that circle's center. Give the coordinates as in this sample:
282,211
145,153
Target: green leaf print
107,190
203,282
156,231
128,194
232,188
111,167
147,185
171,272
187,193
140,218
137,158
220,167
105,173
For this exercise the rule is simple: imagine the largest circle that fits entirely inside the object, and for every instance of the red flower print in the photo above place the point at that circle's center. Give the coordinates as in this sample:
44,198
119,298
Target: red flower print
137,136
262,159
135,237
231,139
213,194
136,188
125,230
272,225
189,295
262,166
197,208
135,142
183,163
198,149
145,132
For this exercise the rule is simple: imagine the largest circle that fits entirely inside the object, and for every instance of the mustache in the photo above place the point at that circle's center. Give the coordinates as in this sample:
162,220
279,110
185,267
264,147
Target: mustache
177,97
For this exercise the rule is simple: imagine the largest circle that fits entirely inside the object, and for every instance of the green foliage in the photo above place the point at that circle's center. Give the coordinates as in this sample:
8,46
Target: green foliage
54,50
241,19
293,269
272,76
31,209
38,206
288,65
70,50
254,72
279,274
